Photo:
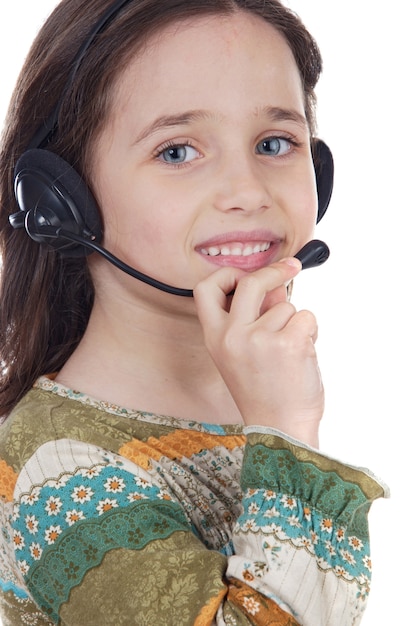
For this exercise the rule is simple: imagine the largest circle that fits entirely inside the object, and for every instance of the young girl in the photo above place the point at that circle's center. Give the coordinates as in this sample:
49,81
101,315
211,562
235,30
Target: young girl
159,457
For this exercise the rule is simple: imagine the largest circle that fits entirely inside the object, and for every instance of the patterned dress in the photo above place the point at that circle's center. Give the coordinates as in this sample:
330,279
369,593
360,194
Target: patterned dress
115,517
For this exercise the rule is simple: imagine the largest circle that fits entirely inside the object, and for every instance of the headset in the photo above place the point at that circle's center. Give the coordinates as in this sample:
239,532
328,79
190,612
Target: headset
57,209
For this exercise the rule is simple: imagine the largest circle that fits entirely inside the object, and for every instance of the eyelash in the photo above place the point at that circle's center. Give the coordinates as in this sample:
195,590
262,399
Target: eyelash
177,144
289,139
174,144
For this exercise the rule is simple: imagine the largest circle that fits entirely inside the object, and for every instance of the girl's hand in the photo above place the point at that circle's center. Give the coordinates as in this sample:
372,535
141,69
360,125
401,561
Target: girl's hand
263,348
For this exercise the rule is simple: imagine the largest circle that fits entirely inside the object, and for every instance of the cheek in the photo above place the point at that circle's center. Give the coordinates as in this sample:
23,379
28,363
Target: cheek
128,220
301,202
160,216
310,209
308,198
145,236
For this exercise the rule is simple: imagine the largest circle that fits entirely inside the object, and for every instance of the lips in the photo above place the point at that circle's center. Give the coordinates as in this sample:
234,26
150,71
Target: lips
247,251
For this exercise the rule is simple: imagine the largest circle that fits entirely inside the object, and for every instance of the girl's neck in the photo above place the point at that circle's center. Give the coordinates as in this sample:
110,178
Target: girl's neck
151,361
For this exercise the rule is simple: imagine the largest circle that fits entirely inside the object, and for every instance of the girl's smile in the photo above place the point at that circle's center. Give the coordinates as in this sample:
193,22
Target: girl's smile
246,250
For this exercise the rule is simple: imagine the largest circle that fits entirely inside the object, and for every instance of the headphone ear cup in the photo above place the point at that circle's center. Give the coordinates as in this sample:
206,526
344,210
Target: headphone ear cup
52,195
324,173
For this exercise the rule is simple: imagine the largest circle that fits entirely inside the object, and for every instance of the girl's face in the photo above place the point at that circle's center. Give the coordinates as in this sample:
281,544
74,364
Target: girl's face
206,159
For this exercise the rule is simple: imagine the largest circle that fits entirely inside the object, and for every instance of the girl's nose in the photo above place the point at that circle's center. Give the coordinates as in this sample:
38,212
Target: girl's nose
241,186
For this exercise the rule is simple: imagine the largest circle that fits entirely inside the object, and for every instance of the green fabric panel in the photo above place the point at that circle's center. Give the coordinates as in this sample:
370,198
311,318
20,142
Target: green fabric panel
42,416
62,568
143,587
368,485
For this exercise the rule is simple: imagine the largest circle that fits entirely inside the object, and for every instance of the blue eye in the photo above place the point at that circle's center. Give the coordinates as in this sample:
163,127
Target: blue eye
178,154
273,146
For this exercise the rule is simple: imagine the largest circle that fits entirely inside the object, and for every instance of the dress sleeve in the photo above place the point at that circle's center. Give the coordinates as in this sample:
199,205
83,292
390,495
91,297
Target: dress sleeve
302,539
100,540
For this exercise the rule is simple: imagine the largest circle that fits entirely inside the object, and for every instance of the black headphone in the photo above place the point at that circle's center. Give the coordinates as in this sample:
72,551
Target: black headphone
58,209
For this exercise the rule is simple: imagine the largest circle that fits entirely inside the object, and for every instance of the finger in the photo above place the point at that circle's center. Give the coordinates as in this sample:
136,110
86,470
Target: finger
277,317
211,295
252,288
304,326
276,296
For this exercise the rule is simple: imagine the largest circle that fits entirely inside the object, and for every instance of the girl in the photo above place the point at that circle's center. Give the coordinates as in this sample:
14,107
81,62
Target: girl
159,460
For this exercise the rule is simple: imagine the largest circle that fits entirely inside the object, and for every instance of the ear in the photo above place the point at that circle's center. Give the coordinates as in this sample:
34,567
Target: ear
52,195
324,173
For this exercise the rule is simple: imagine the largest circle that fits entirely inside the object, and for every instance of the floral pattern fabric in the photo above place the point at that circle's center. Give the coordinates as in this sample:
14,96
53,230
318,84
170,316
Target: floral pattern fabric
120,517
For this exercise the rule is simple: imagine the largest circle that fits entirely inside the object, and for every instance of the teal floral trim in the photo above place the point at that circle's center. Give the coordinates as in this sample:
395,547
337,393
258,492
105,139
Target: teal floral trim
280,519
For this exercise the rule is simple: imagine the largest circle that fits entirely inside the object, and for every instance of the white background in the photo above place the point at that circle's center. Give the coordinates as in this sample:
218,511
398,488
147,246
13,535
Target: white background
363,296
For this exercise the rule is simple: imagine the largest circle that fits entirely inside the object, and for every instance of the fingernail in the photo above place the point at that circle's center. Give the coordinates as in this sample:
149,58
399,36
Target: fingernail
292,262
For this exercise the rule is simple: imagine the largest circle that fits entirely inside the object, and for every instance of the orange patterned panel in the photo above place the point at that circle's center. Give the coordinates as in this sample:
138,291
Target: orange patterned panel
8,478
260,610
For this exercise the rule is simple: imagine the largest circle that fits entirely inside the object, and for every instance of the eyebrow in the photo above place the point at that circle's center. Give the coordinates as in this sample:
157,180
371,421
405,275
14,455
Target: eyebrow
169,121
275,114
279,114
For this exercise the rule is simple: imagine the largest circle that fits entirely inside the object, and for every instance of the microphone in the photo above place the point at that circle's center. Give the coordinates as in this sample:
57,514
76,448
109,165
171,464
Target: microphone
313,254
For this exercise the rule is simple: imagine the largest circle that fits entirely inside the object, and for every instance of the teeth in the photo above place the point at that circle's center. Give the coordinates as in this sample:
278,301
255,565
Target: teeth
237,249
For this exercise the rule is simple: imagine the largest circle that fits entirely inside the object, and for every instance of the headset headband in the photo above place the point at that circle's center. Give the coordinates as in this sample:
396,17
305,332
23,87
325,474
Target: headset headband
47,129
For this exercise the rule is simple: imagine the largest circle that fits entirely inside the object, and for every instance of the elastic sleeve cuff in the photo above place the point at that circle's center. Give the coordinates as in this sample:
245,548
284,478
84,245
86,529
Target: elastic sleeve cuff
280,463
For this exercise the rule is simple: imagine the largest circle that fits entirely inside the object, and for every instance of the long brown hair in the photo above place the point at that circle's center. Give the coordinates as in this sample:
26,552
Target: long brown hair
45,299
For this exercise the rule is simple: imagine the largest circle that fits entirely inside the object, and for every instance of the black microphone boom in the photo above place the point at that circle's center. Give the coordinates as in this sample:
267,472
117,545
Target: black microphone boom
314,253
176,291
